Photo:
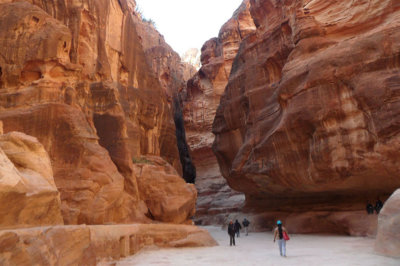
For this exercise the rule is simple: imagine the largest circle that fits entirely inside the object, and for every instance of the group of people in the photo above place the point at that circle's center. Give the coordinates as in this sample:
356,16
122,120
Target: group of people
280,233
377,208
234,228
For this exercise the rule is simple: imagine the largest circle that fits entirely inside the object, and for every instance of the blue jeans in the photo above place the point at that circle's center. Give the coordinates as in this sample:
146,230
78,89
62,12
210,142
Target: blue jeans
282,246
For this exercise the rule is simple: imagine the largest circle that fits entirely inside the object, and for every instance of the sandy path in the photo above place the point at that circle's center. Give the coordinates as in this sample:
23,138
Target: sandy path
258,249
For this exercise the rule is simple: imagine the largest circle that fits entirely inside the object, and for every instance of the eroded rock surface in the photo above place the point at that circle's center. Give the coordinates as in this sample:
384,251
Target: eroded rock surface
309,118
173,74
166,194
388,236
75,76
29,196
200,104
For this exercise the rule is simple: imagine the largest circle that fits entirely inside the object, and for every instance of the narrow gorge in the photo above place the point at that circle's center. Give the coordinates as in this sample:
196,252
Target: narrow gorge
111,143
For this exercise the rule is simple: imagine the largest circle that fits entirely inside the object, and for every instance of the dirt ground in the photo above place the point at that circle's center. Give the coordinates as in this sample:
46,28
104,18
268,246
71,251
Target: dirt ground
259,249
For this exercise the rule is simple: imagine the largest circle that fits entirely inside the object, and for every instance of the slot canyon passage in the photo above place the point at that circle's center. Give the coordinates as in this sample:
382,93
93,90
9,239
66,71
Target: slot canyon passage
113,145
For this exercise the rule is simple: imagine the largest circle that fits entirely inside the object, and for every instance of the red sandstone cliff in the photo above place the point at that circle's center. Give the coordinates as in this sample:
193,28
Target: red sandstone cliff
173,75
172,72
309,118
201,101
75,76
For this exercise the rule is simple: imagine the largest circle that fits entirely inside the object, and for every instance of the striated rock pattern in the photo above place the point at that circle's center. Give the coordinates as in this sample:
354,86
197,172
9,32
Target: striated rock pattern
74,75
388,236
309,118
200,104
28,194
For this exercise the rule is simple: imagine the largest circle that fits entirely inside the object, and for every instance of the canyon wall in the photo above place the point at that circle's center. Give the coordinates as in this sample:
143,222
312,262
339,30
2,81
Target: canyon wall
74,74
309,120
201,100
173,75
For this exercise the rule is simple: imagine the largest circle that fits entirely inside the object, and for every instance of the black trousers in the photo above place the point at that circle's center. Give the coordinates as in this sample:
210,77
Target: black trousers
232,239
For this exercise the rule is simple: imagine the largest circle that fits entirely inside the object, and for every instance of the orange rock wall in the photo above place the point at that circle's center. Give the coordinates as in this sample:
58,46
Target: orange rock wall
75,76
173,74
309,117
201,100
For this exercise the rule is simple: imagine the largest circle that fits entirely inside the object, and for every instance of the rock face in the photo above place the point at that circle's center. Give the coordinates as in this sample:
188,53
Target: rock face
309,118
388,236
92,245
29,195
167,196
173,74
75,76
200,104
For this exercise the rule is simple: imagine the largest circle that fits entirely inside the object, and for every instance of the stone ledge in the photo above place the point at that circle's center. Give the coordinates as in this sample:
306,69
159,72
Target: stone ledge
88,245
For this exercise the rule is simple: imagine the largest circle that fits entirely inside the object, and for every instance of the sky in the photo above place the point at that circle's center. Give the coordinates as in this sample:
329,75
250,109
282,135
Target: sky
188,23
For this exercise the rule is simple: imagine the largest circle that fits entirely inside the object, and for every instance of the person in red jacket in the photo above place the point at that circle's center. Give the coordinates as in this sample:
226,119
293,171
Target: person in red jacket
278,232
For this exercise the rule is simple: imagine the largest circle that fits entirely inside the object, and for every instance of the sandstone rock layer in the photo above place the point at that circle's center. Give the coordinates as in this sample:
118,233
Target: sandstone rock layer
74,75
28,194
173,74
201,100
309,118
166,194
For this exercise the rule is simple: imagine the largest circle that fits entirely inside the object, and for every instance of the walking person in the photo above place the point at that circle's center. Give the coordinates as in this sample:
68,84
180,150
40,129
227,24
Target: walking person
231,232
237,227
378,206
246,226
370,208
282,235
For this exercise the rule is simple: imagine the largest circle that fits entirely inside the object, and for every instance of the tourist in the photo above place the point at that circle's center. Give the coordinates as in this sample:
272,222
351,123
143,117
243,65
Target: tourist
370,208
237,227
231,232
246,226
282,233
378,206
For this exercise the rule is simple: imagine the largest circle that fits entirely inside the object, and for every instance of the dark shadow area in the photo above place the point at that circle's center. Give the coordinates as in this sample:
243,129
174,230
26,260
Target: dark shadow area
188,169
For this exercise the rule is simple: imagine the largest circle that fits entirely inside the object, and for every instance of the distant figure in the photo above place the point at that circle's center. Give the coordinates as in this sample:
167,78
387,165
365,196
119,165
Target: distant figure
237,227
246,226
279,232
370,208
231,232
378,206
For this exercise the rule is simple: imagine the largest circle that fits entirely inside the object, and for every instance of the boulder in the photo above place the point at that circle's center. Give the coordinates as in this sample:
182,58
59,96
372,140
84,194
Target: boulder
388,237
29,195
168,197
